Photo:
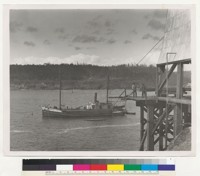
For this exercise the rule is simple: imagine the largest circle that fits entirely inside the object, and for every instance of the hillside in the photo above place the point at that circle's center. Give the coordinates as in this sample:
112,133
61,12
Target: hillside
81,76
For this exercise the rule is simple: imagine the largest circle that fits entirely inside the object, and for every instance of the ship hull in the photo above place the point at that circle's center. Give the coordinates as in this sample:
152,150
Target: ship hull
50,112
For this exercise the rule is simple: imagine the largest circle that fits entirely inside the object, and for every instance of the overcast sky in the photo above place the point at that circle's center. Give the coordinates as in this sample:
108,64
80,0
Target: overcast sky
100,37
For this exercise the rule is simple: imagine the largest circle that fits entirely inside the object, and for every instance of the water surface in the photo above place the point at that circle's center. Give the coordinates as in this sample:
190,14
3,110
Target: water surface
31,132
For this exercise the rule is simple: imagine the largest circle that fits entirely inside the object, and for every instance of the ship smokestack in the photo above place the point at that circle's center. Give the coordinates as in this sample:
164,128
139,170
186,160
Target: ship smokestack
95,97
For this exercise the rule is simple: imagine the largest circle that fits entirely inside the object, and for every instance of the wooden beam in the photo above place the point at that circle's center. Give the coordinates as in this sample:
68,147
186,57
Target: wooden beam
156,140
184,61
157,81
167,77
141,126
166,127
179,87
175,100
178,114
161,132
170,139
143,140
145,121
187,117
170,90
178,120
117,97
168,109
150,124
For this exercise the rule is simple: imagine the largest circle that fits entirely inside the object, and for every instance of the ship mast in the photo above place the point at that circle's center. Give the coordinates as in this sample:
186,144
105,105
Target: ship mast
107,88
60,87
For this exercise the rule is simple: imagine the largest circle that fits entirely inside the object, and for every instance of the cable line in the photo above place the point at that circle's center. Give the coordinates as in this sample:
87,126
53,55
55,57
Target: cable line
151,49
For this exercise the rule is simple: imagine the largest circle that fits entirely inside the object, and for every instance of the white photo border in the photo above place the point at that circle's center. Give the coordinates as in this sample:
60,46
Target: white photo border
6,83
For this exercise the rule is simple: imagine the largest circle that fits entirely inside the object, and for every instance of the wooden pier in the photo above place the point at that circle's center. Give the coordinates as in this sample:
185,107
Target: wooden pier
165,115
162,118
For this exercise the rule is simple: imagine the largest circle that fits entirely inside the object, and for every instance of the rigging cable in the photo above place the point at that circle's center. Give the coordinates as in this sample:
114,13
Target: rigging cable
150,49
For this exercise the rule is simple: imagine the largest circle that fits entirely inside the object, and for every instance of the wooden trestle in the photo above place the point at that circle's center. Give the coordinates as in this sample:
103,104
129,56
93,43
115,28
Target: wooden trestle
165,115
162,118
160,123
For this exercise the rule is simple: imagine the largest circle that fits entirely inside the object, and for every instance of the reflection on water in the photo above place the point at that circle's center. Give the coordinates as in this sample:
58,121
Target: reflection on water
31,132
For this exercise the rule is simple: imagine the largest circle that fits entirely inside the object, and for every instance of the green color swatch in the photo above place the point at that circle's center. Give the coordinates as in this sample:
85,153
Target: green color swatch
132,167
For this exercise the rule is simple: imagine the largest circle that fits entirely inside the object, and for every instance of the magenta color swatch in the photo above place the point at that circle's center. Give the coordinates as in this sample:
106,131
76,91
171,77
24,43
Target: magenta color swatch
81,167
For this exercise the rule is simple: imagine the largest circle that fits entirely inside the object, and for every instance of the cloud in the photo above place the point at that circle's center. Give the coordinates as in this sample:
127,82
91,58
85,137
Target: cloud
15,26
60,30
101,26
109,27
127,42
77,48
110,31
160,13
73,59
95,22
134,31
46,42
156,25
63,37
111,41
29,43
108,23
31,29
82,58
150,36
90,47
97,32
87,39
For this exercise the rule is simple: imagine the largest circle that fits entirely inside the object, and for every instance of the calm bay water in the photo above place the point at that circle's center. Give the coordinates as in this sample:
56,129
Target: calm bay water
31,132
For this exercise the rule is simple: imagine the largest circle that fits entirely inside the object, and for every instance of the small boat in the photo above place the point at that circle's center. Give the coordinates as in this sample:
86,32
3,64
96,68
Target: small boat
95,109
90,110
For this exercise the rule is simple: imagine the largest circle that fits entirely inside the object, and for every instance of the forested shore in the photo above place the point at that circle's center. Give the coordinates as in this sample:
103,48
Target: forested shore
81,76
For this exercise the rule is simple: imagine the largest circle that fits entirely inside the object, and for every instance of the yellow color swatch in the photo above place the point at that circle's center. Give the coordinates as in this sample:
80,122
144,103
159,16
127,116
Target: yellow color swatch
115,167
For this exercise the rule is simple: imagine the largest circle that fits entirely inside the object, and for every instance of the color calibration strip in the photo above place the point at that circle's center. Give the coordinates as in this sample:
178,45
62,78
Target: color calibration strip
98,165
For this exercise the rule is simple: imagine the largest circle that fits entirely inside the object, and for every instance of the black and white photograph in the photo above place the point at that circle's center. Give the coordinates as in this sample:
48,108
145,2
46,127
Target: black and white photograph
100,79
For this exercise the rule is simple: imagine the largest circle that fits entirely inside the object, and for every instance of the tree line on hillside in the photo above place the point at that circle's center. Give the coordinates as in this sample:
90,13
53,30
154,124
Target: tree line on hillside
81,76
78,72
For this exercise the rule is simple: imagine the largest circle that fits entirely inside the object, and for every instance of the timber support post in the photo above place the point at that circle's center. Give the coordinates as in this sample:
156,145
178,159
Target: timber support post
142,123
150,125
178,114
161,133
186,116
